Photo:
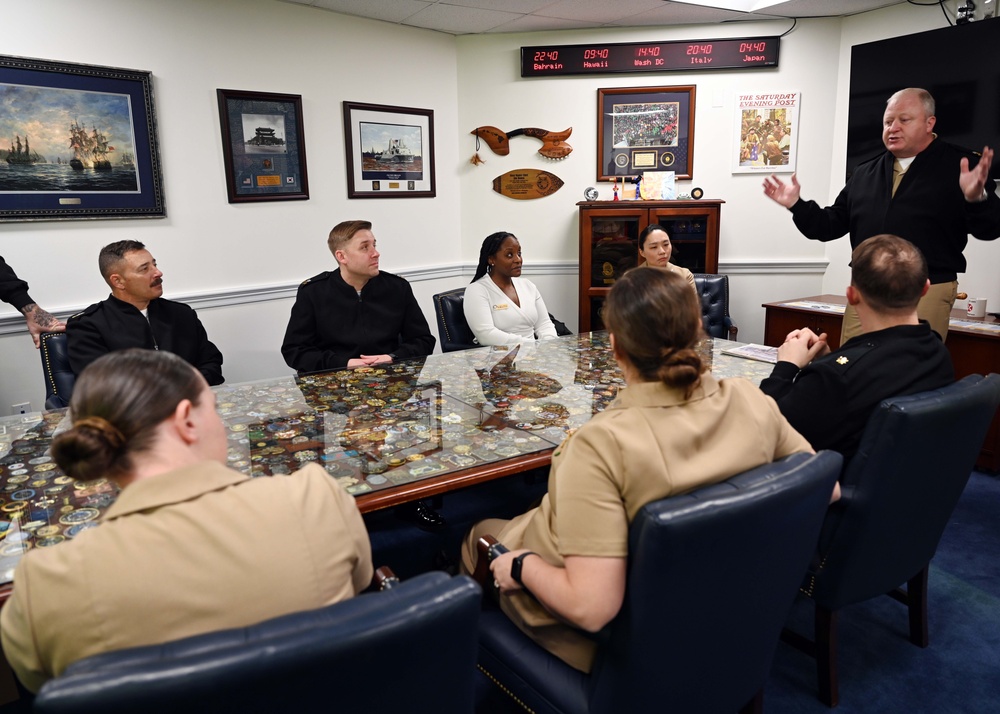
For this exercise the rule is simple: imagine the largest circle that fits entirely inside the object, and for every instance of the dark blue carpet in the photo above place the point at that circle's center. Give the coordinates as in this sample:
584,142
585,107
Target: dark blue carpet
880,671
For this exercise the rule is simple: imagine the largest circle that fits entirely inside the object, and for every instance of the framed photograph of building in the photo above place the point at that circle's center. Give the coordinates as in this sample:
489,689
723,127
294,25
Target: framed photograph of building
77,142
264,146
390,151
645,129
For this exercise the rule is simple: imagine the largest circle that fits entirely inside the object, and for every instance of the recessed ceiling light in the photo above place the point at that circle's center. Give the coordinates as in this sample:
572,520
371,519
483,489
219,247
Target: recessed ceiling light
737,5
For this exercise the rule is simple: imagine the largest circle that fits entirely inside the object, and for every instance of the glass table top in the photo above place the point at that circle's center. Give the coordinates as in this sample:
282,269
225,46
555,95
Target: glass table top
372,429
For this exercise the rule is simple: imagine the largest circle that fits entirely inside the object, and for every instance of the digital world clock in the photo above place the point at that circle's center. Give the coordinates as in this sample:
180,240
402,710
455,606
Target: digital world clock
619,57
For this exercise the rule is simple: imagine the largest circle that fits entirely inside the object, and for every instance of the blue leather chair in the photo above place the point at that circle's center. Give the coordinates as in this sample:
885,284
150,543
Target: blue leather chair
59,377
899,491
711,577
411,648
452,328
713,290
454,331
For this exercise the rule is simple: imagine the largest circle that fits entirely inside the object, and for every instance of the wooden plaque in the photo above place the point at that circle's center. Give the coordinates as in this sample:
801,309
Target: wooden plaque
526,184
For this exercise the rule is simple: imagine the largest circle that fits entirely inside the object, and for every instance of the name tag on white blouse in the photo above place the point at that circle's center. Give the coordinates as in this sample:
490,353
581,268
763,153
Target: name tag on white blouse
501,306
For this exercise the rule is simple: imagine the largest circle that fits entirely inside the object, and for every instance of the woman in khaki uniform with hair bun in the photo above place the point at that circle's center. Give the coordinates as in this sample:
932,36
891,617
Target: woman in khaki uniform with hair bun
674,428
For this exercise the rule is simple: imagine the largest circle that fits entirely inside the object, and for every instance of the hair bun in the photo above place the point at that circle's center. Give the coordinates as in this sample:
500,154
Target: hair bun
108,431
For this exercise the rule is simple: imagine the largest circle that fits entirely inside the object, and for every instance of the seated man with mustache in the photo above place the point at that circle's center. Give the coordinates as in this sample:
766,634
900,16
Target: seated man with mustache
136,315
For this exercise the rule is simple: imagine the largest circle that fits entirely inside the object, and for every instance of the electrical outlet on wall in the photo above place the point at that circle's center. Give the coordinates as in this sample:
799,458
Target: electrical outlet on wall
22,408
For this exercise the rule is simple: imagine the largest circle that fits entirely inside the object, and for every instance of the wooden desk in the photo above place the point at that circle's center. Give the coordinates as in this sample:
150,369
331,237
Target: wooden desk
974,344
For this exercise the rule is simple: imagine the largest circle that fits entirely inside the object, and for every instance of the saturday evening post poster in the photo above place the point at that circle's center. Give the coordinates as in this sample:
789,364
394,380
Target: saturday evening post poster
767,127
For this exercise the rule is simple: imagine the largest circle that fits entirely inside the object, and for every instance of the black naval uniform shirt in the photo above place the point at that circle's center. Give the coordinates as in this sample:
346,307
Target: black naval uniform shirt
114,324
830,399
13,290
331,323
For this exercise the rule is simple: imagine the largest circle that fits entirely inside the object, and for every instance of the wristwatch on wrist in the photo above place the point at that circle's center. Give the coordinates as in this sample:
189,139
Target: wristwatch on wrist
515,566
392,356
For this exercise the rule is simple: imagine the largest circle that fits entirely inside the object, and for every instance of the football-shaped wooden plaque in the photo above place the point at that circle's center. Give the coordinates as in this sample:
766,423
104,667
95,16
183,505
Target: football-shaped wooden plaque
526,184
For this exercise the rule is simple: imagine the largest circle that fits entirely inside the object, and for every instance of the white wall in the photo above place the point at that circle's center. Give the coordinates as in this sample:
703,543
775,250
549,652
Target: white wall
760,248
238,264
767,258
206,245
983,257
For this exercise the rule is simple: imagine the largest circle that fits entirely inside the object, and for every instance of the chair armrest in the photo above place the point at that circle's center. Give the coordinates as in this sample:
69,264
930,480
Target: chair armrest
732,327
384,578
488,548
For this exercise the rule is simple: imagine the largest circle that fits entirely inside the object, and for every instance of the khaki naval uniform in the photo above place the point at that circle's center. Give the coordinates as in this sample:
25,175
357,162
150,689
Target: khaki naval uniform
649,444
677,270
195,550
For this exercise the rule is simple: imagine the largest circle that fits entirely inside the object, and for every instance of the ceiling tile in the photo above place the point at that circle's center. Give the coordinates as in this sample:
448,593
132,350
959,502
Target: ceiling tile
459,20
460,17
537,23
600,11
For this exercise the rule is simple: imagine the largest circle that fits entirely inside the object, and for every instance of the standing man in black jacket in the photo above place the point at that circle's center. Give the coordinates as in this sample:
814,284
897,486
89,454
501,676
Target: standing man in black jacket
355,316
136,315
14,292
922,189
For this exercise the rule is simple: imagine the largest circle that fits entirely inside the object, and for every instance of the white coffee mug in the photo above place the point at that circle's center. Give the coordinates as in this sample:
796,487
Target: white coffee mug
977,307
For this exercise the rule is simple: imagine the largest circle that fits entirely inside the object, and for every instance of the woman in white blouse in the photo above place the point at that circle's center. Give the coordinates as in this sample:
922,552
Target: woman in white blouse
501,307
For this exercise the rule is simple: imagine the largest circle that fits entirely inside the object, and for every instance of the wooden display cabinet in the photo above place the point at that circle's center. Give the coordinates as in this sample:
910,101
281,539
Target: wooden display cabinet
609,243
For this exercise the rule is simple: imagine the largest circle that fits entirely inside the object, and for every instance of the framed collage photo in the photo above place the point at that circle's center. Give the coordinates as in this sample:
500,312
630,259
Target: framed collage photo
643,129
390,151
264,146
77,141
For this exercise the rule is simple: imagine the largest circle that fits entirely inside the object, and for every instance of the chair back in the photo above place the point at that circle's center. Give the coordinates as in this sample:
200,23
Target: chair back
712,575
713,291
409,648
453,330
899,490
59,377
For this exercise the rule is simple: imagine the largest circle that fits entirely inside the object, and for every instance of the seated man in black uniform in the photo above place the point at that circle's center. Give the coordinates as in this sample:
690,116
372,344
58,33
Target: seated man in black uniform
135,315
828,396
358,316
355,316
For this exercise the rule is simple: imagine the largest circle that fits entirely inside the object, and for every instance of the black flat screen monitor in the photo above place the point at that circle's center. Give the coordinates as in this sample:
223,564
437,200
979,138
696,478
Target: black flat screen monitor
957,65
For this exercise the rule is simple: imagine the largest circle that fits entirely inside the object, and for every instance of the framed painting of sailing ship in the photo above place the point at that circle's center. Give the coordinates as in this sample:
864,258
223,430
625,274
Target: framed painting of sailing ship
264,146
643,129
77,142
390,151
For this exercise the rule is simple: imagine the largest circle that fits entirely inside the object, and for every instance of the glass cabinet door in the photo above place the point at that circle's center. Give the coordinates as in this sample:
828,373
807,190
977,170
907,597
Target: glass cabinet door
614,248
693,237
609,244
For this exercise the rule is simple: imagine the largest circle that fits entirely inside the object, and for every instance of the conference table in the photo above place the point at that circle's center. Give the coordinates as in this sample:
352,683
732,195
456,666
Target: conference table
388,434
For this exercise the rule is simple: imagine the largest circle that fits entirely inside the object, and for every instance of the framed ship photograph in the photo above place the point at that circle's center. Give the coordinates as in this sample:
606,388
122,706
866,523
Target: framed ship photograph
263,145
77,142
390,151
643,129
